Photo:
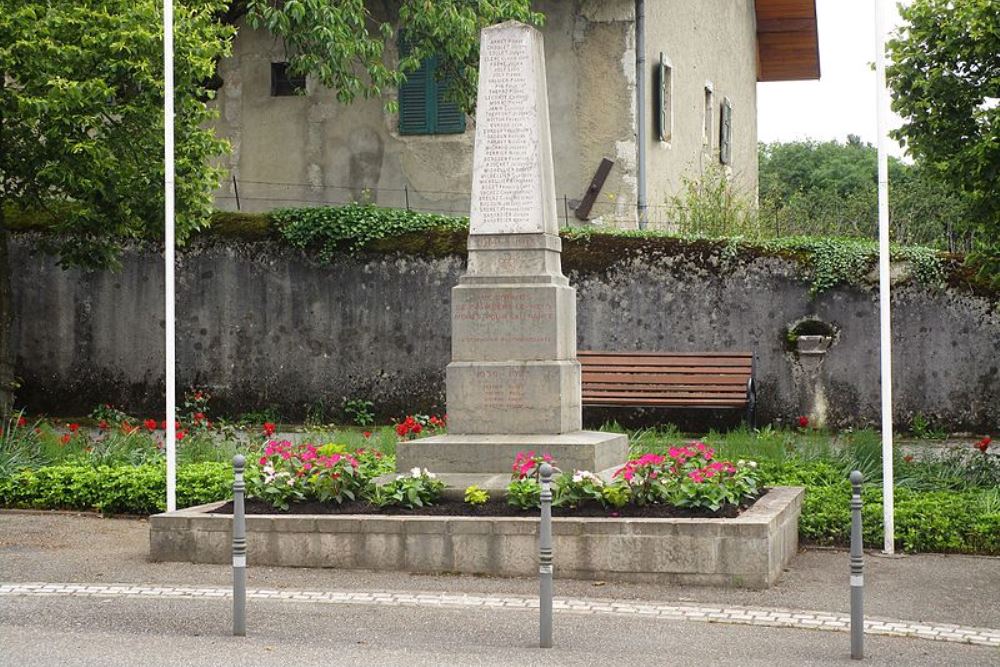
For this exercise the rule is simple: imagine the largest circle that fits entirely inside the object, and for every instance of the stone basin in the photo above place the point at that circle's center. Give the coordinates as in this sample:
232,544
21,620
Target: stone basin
749,551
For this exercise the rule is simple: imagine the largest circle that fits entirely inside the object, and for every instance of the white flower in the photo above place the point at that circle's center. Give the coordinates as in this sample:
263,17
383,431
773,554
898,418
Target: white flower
585,475
415,472
291,482
752,464
269,469
741,462
429,474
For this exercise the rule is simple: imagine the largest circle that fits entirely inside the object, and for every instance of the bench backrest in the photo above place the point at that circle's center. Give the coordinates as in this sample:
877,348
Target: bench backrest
657,378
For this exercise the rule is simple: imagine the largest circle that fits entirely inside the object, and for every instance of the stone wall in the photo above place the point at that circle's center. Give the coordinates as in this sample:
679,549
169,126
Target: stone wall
263,326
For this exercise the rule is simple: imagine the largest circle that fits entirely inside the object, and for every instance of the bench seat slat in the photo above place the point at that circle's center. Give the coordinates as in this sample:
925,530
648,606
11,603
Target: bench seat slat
638,362
590,377
667,402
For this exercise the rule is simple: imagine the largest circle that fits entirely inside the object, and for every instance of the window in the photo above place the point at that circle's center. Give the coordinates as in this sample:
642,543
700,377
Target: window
726,132
284,84
665,100
423,107
706,136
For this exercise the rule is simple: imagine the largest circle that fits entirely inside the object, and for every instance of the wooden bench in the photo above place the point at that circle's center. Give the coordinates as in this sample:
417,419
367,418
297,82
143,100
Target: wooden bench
670,380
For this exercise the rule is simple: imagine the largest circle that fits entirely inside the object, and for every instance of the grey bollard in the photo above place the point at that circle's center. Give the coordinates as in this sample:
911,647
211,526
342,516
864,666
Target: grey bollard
545,559
857,576
239,550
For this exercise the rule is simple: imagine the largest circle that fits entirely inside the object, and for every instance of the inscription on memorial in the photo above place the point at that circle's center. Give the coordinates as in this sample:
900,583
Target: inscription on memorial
512,307
503,388
507,177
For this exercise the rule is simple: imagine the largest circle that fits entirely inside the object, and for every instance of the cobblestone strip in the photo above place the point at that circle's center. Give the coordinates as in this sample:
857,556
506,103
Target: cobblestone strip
772,617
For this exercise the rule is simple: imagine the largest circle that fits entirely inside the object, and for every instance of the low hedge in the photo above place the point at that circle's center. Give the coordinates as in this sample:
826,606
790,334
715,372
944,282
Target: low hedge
957,521
115,490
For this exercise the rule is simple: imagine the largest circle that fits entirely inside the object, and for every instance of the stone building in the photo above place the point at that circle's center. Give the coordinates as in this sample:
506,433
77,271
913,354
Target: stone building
701,62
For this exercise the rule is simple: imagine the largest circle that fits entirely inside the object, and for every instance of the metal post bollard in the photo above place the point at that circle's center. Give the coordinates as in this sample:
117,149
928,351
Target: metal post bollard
857,576
239,550
545,559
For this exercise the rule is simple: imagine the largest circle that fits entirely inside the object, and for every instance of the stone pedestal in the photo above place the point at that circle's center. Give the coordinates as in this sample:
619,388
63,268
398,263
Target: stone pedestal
514,383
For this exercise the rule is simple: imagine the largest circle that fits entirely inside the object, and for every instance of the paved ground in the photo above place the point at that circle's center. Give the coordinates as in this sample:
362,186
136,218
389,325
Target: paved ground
611,623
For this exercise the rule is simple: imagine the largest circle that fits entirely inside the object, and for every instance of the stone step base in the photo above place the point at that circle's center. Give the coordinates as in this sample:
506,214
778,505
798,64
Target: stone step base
494,454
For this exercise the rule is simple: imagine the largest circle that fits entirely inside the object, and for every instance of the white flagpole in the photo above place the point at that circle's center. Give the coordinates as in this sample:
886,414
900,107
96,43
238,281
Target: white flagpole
885,318
168,248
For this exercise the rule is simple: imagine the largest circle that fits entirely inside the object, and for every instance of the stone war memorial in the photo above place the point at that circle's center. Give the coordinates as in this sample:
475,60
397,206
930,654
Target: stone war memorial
514,381
513,385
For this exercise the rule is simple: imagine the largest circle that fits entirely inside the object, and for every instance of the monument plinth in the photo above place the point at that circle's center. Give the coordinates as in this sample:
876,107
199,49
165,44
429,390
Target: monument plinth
514,381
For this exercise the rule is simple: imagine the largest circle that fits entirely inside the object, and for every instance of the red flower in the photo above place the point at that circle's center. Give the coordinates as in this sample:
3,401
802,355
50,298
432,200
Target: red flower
908,458
163,425
103,424
65,439
984,444
416,428
199,416
21,421
401,429
128,428
803,422
198,395
269,428
367,434
74,427
150,424
180,435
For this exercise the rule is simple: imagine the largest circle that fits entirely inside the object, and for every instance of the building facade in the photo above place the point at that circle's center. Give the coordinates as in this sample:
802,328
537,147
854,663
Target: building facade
702,61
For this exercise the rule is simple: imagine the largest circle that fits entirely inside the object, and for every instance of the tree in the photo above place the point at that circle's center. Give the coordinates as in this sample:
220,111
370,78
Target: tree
81,126
829,188
945,79
343,43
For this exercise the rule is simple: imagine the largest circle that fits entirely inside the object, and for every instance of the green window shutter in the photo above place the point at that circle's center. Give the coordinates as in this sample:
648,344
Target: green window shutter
726,132
423,104
414,111
450,118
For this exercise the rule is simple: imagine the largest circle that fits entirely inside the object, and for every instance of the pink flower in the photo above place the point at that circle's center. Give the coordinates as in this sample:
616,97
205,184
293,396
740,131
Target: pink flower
696,476
263,460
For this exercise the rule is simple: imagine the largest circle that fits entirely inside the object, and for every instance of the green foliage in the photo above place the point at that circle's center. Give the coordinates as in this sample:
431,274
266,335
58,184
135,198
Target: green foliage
830,189
417,489
475,496
343,44
951,521
114,489
329,230
945,80
712,206
81,118
524,494
360,411
581,488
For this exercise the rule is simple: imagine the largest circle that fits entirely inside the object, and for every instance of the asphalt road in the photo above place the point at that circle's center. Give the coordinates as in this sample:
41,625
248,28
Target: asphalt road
91,631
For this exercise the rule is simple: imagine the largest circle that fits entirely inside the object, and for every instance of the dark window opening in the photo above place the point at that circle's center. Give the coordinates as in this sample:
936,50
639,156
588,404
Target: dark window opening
283,83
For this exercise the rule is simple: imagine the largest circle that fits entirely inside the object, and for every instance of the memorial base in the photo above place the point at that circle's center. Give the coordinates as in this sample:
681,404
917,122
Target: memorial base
493,455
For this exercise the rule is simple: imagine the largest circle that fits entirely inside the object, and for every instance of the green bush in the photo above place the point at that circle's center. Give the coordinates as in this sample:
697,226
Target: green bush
329,230
114,490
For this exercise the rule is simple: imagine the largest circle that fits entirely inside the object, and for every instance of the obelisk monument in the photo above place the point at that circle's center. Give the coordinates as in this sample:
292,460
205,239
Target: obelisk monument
514,382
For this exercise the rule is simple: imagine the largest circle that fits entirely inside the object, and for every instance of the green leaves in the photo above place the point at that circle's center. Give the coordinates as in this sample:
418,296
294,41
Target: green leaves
945,80
81,118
